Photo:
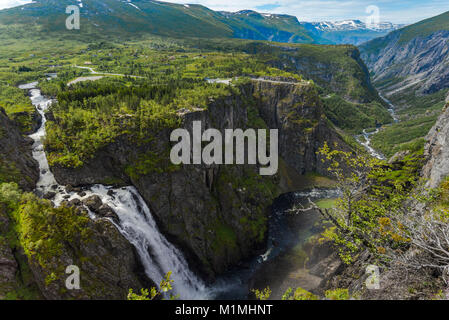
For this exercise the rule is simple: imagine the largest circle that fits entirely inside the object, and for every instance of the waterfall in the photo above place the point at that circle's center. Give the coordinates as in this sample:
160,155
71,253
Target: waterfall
136,222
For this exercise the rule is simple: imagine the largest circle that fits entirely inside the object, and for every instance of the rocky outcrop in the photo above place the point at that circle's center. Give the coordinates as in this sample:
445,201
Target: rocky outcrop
437,151
217,214
8,264
16,160
297,112
107,262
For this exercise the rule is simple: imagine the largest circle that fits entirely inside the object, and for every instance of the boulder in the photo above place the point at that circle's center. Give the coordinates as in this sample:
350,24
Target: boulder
93,203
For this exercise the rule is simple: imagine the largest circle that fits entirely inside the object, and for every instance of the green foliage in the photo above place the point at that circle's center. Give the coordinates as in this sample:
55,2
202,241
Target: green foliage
24,287
145,294
337,294
354,117
418,114
262,294
17,106
362,220
299,294
43,230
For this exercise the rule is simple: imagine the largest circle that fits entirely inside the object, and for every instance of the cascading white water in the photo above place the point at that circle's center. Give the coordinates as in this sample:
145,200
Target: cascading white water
367,135
137,225
367,143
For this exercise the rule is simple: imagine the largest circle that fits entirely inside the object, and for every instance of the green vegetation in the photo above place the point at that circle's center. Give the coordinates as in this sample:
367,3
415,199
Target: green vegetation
337,294
153,293
23,287
418,114
302,294
363,221
354,117
43,230
108,19
326,203
299,294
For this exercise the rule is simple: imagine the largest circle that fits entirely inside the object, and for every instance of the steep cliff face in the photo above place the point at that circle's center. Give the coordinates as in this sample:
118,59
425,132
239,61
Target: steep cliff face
412,57
16,160
107,262
337,69
297,112
8,263
437,150
421,60
217,214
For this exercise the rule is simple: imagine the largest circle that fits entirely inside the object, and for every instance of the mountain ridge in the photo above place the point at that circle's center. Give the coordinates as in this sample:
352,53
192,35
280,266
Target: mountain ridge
125,18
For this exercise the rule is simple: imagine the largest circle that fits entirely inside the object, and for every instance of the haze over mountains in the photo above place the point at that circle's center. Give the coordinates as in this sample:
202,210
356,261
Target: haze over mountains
116,17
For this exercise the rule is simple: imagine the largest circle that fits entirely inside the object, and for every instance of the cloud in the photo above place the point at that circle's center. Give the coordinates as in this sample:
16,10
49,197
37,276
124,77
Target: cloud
12,3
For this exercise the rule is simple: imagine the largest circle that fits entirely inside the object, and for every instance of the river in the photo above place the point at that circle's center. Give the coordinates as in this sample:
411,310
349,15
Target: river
365,138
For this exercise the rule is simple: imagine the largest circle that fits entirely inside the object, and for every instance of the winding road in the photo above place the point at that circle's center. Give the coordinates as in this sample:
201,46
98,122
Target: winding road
99,76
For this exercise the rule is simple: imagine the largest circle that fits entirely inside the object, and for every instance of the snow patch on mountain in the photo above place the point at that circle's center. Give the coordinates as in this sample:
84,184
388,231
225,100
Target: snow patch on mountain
348,25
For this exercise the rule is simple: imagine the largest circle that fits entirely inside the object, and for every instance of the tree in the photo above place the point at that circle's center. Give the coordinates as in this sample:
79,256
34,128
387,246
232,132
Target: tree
374,195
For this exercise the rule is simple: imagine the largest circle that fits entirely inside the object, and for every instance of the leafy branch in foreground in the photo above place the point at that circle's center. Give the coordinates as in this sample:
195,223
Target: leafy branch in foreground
302,294
145,294
374,195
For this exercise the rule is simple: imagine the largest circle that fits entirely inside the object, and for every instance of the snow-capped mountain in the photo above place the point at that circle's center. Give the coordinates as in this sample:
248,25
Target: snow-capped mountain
347,25
348,31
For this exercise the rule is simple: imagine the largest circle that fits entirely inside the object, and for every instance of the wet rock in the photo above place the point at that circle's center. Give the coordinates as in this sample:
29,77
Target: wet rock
66,196
93,203
75,203
82,194
69,188
54,187
106,211
111,193
49,195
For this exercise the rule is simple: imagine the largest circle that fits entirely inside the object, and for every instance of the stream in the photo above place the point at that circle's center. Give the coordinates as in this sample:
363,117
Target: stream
159,256
365,138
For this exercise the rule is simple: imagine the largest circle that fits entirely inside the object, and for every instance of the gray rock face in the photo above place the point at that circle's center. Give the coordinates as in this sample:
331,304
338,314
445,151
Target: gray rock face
16,160
218,214
8,264
437,150
108,266
422,60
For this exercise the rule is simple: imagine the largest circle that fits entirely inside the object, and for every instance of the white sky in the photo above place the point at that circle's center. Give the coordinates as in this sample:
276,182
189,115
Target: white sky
12,3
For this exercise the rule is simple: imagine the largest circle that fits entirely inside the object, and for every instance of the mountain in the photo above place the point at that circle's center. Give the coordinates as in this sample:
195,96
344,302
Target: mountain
122,19
248,24
114,18
348,31
415,56
409,67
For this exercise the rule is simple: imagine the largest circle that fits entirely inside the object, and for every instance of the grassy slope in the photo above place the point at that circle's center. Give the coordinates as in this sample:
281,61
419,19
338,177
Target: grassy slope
417,119
117,19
